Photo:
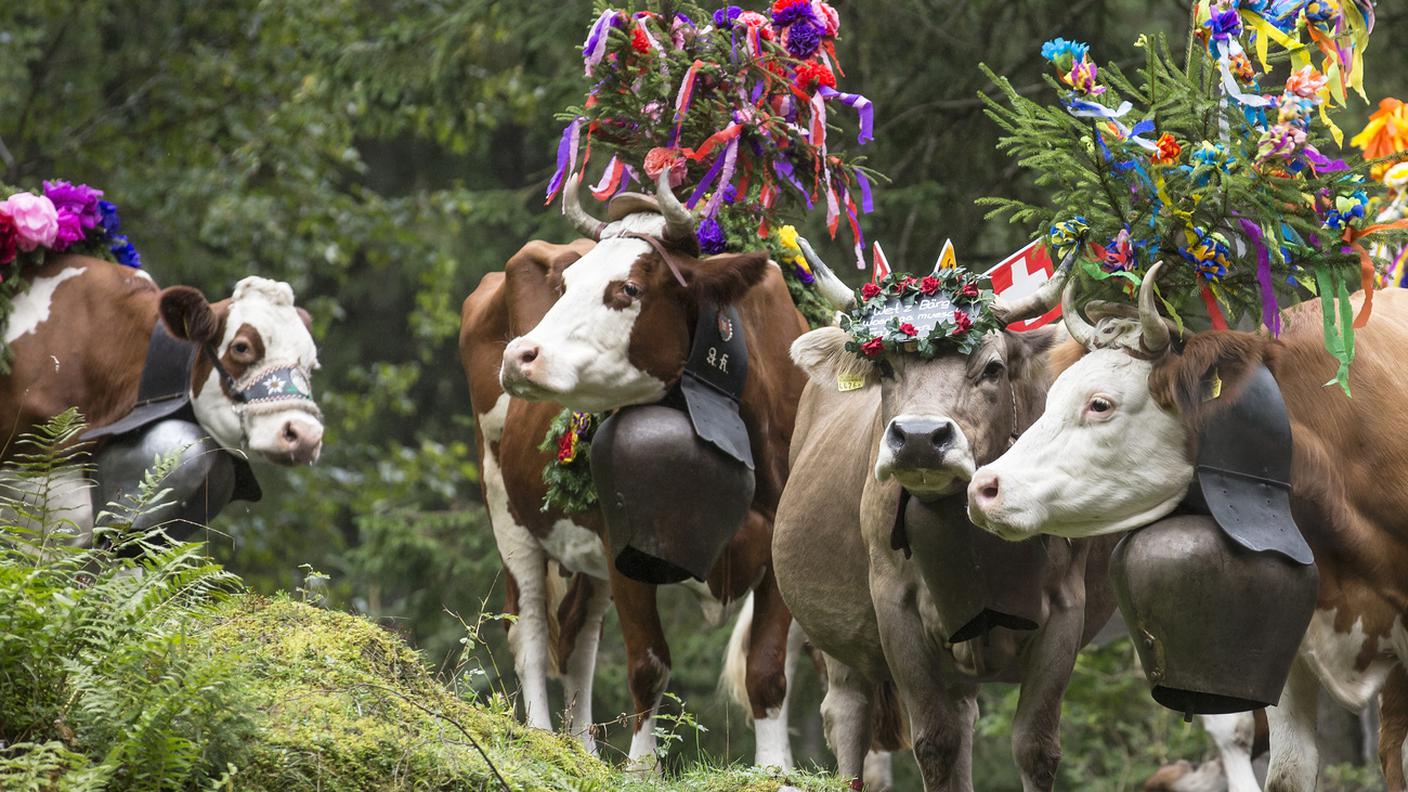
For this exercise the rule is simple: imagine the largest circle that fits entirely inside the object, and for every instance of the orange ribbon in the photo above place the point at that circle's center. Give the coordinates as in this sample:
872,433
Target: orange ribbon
1366,265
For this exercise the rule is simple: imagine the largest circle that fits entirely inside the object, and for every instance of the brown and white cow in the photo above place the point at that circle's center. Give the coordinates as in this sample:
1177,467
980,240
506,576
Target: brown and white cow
923,429
596,325
79,333
1115,448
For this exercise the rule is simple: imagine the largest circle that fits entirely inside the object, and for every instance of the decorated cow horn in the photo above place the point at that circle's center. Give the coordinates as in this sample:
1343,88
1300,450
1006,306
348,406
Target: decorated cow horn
585,224
679,221
1154,334
1038,302
1080,330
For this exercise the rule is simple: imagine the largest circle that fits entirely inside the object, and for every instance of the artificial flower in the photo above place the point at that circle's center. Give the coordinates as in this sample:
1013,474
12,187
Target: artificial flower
640,42
1223,22
969,290
660,158
903,284
1118,255
1066,235
1082,78
1387,131
811,75
79,200
125,253
725,17
1396,177
1346,209
929,285
35,218
869,291
802,39
828,16
1242,67
1209,253
962,321
873,348
711,236
567,447
909,330
1305,82
1282,141
9,240
108,219
1063,54
787,12
1167,151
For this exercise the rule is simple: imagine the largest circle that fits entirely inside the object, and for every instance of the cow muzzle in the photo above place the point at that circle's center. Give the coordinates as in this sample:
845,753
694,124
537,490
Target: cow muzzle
928,455
522,366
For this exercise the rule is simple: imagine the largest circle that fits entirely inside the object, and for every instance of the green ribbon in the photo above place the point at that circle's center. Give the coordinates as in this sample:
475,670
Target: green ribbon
1338,315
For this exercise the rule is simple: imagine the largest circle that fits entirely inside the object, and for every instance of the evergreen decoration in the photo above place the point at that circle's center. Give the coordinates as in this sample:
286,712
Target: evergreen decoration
568,475
1195,166
962,328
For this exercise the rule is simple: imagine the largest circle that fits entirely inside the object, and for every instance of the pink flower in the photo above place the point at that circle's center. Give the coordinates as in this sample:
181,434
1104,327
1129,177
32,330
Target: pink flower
875,347
35,219
962,320
1305,83
660,158
828,16
8,240
908,329
869,291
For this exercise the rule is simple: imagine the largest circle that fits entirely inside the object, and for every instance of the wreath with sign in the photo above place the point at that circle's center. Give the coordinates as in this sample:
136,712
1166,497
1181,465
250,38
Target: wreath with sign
946,310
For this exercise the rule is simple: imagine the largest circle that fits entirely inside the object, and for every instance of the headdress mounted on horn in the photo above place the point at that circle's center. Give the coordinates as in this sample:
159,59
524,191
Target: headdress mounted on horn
1145,334
680,223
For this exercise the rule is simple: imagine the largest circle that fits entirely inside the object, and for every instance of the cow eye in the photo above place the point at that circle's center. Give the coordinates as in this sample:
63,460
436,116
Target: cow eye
241,348
993,370
631,289
1099,406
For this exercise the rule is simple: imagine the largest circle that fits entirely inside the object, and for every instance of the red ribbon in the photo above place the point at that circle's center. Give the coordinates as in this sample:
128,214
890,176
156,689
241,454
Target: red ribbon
1366,265
1219,322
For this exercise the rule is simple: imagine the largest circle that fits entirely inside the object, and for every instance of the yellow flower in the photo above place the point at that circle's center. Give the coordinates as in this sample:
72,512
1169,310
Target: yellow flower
1387,130
792,252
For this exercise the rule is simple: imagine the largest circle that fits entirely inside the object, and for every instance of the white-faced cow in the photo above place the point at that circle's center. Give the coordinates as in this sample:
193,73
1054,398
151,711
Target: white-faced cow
1115,451
161,371
600,324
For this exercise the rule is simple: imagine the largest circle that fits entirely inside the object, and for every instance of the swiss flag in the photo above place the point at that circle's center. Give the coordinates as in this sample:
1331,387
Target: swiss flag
1019,275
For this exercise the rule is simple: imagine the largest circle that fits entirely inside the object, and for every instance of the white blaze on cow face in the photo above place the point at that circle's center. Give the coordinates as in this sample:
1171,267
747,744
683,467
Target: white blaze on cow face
282,434
1103,458
578,354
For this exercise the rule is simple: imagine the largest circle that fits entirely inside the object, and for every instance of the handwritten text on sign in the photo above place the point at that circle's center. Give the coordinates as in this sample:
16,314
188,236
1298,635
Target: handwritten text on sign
924,313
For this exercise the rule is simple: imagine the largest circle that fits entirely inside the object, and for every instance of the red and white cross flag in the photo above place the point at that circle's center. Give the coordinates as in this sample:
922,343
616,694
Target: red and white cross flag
1019,275
881,264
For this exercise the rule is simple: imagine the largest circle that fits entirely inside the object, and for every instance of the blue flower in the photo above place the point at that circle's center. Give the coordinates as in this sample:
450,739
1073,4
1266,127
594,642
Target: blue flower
108,219
711,237
1063,53
804,39
124,251
724,17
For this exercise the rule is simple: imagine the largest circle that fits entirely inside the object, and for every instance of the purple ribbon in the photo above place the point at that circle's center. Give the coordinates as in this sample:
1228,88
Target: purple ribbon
729,160
708,179
858,103
566,153
784,171
1270,310
866,204
594,49
1322,163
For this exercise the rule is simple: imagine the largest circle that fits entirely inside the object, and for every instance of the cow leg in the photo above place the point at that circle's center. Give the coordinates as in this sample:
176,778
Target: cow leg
1393,729
846,718
1233,734
774,643
581,660
1036,728
879,772
647,663
1295,758
528,638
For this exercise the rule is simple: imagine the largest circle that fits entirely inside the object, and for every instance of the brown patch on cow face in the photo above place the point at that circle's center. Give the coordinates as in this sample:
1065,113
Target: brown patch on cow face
1180,378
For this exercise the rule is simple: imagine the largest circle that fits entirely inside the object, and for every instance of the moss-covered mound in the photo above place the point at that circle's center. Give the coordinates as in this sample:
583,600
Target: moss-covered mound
343,704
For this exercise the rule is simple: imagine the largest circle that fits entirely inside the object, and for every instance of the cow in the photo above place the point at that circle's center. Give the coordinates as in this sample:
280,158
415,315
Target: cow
80,330
1114,451
923,428
599,324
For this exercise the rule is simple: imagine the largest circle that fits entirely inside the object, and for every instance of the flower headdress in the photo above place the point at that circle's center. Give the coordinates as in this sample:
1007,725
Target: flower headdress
901,313
1229,181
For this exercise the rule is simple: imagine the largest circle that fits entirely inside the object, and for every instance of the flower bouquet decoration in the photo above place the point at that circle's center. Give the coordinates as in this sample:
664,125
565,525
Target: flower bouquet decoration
1385,141
59,218
1215,166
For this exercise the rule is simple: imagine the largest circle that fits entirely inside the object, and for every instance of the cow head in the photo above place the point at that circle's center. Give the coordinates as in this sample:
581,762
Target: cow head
946,415
1114,450
619,331
251,389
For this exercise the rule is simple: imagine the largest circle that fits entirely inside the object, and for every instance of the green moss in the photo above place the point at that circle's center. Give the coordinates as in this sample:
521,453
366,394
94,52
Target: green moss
342,704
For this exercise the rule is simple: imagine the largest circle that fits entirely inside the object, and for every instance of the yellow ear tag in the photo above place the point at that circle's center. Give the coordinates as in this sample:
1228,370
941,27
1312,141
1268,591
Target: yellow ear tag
849,382
1214,387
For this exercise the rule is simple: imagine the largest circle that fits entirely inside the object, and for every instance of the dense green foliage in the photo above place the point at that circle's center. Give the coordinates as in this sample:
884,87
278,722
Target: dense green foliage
382,156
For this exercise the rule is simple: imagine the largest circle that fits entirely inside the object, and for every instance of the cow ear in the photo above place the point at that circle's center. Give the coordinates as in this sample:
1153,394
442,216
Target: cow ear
533,280
306,317
822,355
188,315
723,280
1208,372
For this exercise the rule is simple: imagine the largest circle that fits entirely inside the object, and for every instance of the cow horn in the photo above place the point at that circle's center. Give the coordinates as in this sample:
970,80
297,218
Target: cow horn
679,221
1038,302
1154,334
1080,330
585,224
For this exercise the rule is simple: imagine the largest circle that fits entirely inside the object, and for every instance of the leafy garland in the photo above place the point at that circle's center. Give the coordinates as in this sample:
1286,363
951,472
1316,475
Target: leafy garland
60,218
1217,175
568,476
972,317
734,105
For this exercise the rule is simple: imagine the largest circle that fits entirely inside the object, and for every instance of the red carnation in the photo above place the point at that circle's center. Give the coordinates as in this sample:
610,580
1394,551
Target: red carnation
929,285
961,319
639,41
875,347
567,447
969,290
8,241
908,329
811,74
869,290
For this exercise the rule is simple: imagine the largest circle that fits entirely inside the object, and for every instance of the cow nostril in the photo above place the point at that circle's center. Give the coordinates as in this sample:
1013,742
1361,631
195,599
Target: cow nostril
988,489
942,436
528,354
895,436
290,433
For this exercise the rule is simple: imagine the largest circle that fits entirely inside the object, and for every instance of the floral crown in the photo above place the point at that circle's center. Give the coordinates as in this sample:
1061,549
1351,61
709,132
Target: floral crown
948,309
62,218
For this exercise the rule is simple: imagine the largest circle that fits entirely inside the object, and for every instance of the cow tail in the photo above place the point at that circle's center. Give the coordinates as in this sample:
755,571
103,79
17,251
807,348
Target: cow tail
733,681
